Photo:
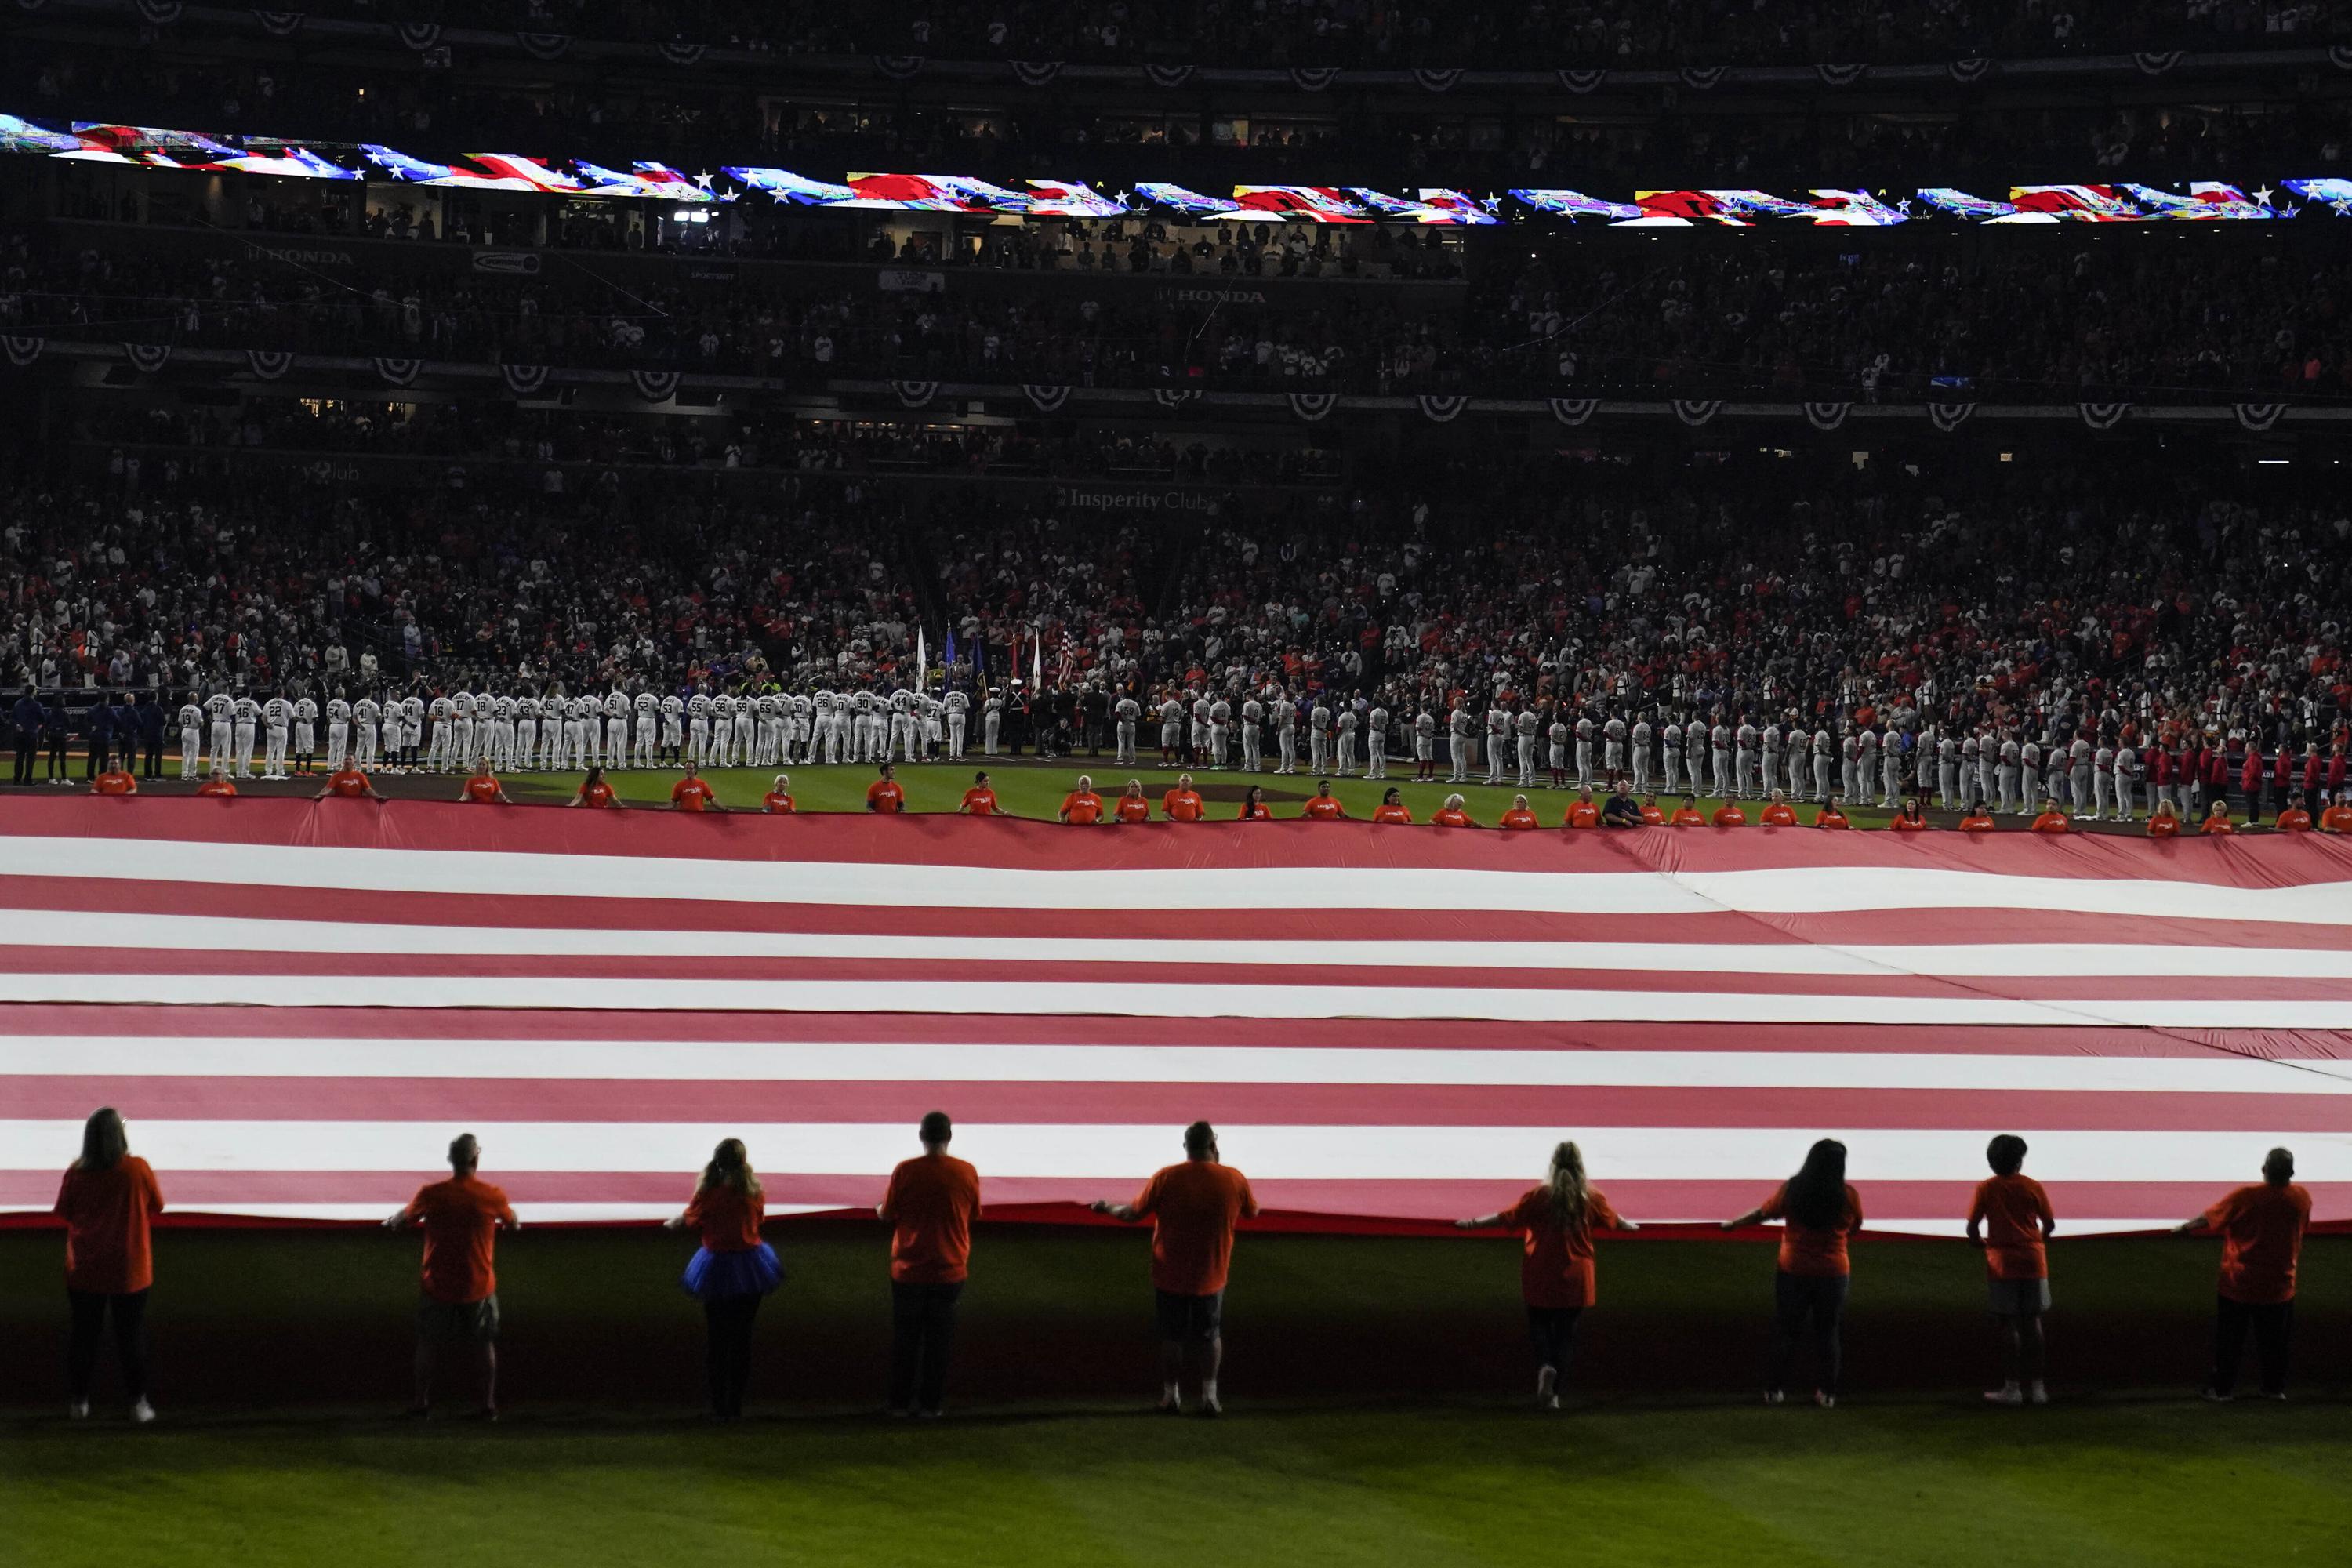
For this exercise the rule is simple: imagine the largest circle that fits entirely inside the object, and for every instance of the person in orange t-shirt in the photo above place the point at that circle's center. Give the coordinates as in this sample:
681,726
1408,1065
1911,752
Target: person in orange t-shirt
1194,1209
1583,812
459,1302
778,800
1978,820
2337,819
1913,817
2293,819
2010,1219
1557,1218
351,784
732,1272
1393,809
218,785
1451,814
1082,807
2052,820
108,1199
2261,1230
1832,816
1518,819
884,796
1182,804
1253,807
931,1203
980,800
594,794
1131,806
1728,814
691,794
2217,819
1777,813
1321,807
114,781
2163,822
1687,815
483,788
1820,1211
1651,816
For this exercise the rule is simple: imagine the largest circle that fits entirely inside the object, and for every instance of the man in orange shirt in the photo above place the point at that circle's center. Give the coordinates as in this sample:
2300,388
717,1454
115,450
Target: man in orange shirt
1831,815
930,1203
1082,807
114,781
107,1199
2052,820
2337,819
778,800
1393,809
1194,1209
2014,1215
691,794
1777,813
1321,807
885,796
460,1217
484,788
1182,804
1583,812
219,786
2261,1230
1518,819
2292,819
1131,806
1728,814
980,800
1687,815
1452,815
351,784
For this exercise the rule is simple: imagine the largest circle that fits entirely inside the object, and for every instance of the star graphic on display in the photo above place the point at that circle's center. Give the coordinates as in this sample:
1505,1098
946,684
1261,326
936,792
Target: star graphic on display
2289,210
2264,195
2343,206
703,179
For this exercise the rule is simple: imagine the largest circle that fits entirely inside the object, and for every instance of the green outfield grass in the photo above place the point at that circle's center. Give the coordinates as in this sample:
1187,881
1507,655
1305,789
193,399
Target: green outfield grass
1029,788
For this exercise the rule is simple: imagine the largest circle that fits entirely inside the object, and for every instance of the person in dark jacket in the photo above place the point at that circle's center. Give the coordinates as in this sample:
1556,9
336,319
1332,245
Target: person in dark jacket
54,722
151,731
98,752
25,720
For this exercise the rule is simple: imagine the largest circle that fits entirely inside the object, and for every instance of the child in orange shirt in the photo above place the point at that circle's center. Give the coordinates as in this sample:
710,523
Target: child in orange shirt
2015,1219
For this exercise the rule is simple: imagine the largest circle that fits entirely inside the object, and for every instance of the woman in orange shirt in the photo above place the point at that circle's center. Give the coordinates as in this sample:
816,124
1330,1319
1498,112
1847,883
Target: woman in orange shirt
1082,807
1451,814
115,781
1728,814
1518,819
1321,807
2052,820
778,800
2162,823
1819,1211
980,800
1651,815
1831,815
732,1272
595,792
483,788
1777,813
1393,809
1131,806
1978,820
1912,818
1254,808
1557,1220
107,1201
2217,819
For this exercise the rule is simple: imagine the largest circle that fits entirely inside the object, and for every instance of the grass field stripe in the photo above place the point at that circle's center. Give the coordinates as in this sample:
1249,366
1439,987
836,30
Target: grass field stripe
1783,891
1129,1152
654,1061
53,928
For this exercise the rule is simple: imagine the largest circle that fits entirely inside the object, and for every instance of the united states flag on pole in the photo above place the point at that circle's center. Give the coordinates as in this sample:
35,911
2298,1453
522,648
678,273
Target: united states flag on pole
297,1004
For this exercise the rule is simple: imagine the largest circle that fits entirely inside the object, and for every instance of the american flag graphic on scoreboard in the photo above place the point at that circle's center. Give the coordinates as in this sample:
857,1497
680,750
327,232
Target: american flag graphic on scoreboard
297,1004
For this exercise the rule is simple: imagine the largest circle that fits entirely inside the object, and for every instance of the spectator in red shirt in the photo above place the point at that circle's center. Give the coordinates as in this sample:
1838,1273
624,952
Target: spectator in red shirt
980,800
1819,1212
1777,812
351,784
459,1303
1518,819
2010,1219
733,1270
2261,1230
778,800
1131,806
1194,1209
1082,807
1555,1275
691,794
1321,807
484,788
114,781
930,1203
108,1200
883,795
595,793
1182,804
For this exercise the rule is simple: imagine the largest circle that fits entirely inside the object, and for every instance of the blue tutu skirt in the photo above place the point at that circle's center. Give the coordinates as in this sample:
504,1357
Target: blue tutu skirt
717,1275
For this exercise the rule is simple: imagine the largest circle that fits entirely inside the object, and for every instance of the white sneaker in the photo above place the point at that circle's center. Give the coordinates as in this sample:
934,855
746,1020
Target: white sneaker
1548,1389
2008,1393
1773,1396
78,1410
143,1413
1826,1401
2038,1393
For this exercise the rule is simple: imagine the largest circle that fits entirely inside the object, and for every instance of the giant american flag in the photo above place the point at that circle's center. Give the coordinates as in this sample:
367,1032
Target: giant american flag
297,1004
